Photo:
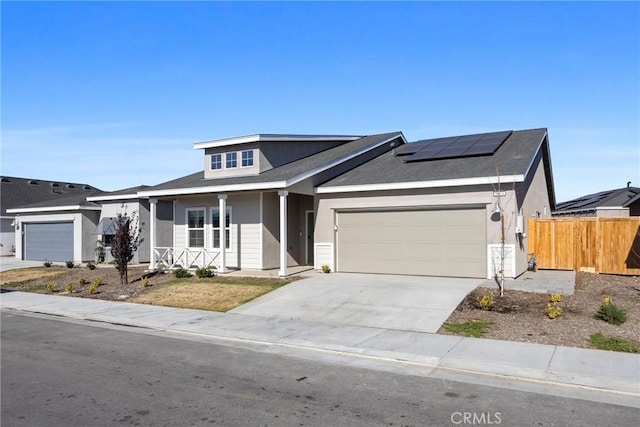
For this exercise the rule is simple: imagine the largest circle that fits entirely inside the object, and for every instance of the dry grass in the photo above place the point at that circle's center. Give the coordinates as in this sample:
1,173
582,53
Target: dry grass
202,295
26,274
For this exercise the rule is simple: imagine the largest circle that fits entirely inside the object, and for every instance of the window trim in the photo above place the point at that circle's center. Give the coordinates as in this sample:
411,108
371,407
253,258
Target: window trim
227,227
219,156
242,159
187,242
227,160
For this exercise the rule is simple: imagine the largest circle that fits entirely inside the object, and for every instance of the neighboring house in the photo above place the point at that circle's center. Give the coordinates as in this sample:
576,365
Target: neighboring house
612,203
113,203
40,232
372,204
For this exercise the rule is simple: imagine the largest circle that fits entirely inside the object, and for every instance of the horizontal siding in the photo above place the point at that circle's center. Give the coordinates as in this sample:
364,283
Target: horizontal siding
323,255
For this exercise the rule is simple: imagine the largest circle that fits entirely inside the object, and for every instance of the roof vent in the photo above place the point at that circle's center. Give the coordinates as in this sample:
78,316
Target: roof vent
5,179
87,187
55,188
71,186
32,182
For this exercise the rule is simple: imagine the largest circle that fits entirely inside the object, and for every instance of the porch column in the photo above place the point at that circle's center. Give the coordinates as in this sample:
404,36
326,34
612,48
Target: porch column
222,206
152,233
283,232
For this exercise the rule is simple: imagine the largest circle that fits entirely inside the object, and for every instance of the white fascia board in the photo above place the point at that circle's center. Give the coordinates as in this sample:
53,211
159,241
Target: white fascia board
340,160
259,137
109,198
214,189
421,184
55,209
609,208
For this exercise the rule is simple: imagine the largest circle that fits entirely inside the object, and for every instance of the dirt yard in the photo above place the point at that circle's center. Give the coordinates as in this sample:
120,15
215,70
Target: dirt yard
522,316
216,294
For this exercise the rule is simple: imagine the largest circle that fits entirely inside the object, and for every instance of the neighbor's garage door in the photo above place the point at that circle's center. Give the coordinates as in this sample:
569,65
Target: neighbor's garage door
51,241
449,242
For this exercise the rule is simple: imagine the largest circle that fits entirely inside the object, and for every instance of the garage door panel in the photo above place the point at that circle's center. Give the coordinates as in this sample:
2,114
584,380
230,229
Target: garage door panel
425,242
51,241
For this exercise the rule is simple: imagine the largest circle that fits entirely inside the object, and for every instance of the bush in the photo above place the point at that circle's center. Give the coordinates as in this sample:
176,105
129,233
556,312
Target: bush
91,266
69,288
603,342
145,282
204,272
553,309
93,288
181,273
82,281
97,281
70,264
50,287
326,268
611,313
555,298
47,263
486,302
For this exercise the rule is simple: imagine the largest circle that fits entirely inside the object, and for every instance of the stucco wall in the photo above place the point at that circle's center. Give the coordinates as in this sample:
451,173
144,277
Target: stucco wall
7,237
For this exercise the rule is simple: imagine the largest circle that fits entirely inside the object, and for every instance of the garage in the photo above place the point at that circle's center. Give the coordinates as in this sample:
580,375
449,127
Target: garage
51,241
432,242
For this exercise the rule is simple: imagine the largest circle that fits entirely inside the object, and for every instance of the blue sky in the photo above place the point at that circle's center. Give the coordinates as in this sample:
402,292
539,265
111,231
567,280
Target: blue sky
115,94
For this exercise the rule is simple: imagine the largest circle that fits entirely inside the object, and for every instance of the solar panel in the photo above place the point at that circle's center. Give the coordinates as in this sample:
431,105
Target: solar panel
461,146
410,148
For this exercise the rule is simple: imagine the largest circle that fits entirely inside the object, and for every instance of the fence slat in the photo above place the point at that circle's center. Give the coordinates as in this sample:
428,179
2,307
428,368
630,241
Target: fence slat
606,245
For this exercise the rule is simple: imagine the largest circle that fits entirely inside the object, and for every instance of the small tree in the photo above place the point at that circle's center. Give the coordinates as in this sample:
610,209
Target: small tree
125,242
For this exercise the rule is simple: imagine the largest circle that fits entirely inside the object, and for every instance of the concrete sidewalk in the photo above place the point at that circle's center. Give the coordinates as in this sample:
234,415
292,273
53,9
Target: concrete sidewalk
592,369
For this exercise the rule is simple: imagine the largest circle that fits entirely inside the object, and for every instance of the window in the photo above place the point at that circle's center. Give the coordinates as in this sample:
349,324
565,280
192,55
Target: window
195,228
247,158
216,161
232,160
215,223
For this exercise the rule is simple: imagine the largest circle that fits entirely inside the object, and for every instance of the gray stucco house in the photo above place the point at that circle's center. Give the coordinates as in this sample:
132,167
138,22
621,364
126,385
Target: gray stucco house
454,206
620,202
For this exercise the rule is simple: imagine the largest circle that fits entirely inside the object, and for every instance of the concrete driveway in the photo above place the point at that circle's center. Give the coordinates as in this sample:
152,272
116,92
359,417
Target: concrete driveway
407,303
11,263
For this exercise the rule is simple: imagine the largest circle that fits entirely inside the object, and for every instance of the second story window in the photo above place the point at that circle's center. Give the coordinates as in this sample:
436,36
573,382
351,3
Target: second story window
216,161
232,160
247,158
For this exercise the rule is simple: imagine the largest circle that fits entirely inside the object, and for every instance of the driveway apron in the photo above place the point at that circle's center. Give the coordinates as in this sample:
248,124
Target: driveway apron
407,303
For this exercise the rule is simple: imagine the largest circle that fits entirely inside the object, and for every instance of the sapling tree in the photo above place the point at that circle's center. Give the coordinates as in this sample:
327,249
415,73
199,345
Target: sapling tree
125,242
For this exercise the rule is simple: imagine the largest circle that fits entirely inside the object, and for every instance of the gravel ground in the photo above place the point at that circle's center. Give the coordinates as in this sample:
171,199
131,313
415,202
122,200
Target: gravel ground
521,316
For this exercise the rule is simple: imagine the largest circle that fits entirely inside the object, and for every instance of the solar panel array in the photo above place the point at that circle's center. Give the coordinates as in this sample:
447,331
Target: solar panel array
453,147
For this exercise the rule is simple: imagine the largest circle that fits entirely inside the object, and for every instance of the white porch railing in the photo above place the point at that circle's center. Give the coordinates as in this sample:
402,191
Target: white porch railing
172,258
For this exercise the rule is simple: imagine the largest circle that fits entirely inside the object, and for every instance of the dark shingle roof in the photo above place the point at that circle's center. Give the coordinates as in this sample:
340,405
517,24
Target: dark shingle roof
513,157
124,192
26,192
280,173
620,197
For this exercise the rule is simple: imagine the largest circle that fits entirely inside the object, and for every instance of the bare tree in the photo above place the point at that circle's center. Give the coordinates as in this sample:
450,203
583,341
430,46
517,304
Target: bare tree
125,242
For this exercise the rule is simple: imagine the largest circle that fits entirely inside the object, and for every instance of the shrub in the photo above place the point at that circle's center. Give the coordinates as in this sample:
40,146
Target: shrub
92,288
82,281
554,310
91,266
603,342
204,272
69,288
326,268
50,287
486,302
47,263
97,281
470,328
70,264
181,273
611,313
145,282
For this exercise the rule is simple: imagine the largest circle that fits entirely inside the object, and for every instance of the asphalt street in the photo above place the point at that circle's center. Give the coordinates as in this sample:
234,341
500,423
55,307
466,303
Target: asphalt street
56,372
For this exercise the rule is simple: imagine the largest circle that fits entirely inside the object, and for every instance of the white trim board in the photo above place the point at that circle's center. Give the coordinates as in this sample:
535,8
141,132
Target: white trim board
264,137
55,209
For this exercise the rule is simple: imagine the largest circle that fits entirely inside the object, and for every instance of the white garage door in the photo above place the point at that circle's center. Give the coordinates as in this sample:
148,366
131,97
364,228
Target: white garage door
445,242
51,241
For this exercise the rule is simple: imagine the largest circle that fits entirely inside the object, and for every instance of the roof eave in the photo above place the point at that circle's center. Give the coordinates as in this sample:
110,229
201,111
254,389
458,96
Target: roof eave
54,209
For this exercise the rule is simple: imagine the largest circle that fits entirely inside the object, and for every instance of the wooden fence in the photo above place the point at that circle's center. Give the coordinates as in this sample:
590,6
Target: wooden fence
602,245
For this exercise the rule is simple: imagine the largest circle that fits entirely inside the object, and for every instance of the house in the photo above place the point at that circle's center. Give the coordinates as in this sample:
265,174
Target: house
50,230
611,203
453,206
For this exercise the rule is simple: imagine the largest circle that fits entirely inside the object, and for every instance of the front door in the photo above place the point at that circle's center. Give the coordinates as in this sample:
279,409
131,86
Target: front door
309,232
